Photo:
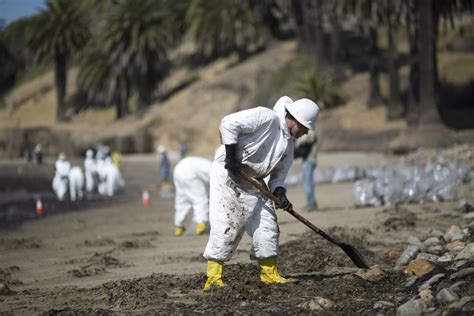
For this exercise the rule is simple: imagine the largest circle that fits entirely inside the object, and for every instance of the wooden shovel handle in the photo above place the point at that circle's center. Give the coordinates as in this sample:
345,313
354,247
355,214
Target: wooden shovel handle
275,199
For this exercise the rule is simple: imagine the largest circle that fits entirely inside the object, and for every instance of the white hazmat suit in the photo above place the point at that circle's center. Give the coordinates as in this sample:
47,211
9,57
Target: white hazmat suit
90,168
191,181
60,180
111,178
76,183
264,144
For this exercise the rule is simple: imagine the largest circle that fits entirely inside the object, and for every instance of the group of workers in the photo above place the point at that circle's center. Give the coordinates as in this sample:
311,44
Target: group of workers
262,143
101,174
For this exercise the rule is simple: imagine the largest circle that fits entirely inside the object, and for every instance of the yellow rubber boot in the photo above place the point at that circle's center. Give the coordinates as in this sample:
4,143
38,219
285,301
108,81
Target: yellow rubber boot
214,275
179,231
201,228
269,272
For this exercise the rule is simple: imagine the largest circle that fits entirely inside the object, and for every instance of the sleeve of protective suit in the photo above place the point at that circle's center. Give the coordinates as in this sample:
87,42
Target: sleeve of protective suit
279,173
243,122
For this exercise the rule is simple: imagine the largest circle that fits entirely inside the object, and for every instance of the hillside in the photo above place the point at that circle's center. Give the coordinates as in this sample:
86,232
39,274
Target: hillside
193,113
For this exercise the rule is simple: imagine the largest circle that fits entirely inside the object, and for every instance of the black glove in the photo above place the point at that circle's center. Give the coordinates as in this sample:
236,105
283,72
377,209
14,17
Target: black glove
231,162
283,203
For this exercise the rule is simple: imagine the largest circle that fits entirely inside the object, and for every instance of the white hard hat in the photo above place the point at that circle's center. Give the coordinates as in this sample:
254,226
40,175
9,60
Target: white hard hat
305,111
62,156
89,153
161,149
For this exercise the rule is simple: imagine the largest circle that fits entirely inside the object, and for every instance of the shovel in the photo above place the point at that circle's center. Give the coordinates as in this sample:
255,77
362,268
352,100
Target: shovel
353,253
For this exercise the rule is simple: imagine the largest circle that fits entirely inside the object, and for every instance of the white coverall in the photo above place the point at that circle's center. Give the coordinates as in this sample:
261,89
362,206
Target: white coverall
63,167
90,168
76,183
191,181
111,178
265,146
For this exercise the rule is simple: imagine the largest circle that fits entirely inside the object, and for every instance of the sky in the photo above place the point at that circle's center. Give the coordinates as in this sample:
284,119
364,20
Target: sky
11,10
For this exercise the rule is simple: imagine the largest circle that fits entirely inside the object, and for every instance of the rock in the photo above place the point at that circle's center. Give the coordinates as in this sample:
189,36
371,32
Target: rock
459,237
393,255
461,264
409,253
434,279
432,311
411,308
455,245
462,273
446,258
466,207
456,287
436,233
437,250
427,256
426,296
432,241
383,305
467,253
410,281
419,267
4,289
412,240
318,304
373,274
446,295
460,303
469,215
452,231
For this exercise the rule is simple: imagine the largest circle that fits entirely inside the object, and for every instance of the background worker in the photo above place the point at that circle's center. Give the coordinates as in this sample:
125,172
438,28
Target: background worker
76,183
191,182
90,168
260,142
307,149
165,169
60,181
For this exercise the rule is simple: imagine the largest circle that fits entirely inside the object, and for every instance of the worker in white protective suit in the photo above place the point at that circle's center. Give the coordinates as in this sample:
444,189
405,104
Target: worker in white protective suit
90,168
260,142
60,181
76,183
191,182
111,178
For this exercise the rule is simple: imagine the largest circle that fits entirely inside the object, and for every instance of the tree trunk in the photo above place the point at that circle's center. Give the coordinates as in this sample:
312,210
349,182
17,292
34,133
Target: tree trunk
122,98
335,39
60,77
429,113
414,80
297,9
316,14
374,69
394,105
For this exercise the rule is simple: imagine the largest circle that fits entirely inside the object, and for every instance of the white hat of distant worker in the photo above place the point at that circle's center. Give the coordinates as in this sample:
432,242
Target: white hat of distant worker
62,156
305,111
89,153
161,149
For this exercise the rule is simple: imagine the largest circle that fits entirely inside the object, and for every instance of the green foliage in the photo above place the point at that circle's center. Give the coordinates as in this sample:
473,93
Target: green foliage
298,78
17,60
130,52
96,76
222,26
61,29
316,87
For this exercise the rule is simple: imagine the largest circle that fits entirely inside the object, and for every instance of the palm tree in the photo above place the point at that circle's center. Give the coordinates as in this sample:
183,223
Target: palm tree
130,54
61,30
220,27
